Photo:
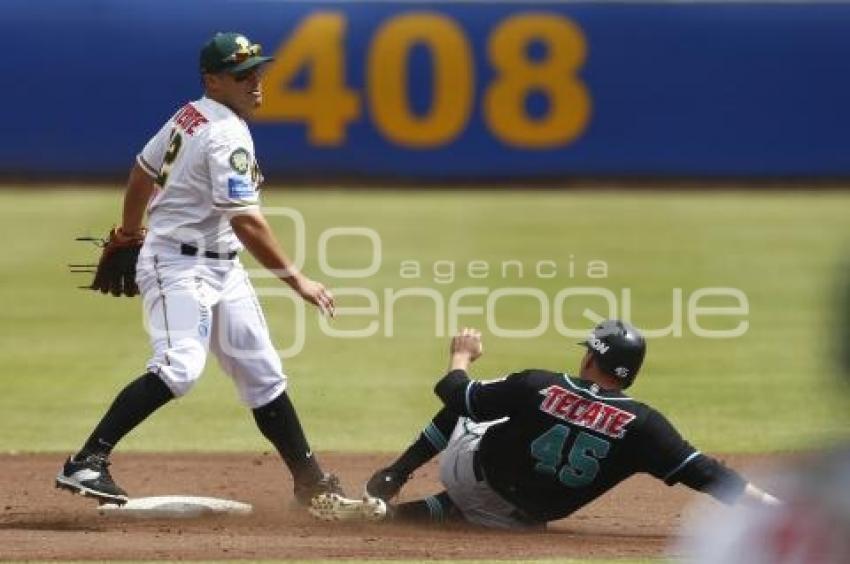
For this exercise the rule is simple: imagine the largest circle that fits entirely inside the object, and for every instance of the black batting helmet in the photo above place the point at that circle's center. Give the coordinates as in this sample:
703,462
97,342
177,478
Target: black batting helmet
618,349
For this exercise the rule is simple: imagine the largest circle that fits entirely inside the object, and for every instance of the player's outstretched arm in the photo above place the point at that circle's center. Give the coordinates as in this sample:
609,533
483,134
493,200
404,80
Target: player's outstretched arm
254,232
672,459
709,475
140,188
712,477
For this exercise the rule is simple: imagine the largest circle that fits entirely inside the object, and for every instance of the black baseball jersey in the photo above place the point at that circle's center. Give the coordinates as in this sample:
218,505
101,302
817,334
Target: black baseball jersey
566,441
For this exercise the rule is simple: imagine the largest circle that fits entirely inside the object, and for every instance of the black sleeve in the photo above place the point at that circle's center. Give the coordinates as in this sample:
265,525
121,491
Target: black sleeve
480,401
670,458
709,475
662,450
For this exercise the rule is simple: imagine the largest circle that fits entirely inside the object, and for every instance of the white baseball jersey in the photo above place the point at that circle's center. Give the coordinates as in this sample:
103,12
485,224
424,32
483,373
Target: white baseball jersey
203,162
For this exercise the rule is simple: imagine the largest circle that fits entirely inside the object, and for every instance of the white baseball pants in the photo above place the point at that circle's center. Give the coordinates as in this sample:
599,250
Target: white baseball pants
193,305
476,500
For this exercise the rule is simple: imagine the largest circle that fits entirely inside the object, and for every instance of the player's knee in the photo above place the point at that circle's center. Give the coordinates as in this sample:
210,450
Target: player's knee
259,378
178,380
181,369
262,391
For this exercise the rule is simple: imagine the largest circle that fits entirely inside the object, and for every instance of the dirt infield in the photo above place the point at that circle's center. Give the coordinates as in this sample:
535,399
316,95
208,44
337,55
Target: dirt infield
40,522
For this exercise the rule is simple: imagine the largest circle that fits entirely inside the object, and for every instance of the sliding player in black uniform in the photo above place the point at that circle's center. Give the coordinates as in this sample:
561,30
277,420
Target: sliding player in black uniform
537,445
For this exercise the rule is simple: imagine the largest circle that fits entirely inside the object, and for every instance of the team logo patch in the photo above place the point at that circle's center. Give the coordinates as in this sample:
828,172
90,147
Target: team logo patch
239,188
621,372
240,160
597,345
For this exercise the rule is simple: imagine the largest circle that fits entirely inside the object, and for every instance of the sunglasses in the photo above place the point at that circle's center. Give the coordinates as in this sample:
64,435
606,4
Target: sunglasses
244,75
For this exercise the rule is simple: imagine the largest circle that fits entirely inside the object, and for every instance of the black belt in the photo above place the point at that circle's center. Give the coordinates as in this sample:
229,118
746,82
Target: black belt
477,470
192,251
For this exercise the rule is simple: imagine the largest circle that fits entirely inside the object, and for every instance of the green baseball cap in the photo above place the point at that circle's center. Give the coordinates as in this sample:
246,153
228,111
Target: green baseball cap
232,53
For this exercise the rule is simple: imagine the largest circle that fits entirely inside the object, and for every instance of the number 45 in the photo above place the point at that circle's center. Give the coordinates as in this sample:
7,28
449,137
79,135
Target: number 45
582,461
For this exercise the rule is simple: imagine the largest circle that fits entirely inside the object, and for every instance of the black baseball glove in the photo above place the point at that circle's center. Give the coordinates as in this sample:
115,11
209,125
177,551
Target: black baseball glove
116,271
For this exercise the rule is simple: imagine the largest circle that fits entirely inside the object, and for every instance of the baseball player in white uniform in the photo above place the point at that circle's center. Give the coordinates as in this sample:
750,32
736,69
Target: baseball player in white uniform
199,180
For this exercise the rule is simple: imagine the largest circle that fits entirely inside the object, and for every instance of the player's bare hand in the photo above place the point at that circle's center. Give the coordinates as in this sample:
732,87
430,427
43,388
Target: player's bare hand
316,293
466,348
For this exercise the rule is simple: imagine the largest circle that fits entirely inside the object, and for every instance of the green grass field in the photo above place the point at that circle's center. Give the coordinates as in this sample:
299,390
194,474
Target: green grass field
66,352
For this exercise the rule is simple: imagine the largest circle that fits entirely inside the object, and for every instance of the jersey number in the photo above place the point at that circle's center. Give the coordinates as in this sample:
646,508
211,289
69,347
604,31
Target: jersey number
175,141
582,461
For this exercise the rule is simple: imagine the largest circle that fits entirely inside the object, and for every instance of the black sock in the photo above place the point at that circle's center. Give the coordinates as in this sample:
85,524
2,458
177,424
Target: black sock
131,406
432,440
433,508
279,423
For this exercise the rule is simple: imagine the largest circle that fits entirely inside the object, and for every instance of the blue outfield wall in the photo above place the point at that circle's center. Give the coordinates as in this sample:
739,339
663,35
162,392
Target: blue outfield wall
444,89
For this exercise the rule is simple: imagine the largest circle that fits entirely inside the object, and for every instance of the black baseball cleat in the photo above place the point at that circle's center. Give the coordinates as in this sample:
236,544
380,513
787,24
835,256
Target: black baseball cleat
385,484
327,484
90,477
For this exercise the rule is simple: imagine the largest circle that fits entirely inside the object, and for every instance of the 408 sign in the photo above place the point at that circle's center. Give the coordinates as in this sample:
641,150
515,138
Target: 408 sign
524,81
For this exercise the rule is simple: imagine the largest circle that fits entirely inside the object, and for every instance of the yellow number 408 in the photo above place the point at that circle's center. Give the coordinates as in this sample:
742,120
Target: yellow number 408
327,106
